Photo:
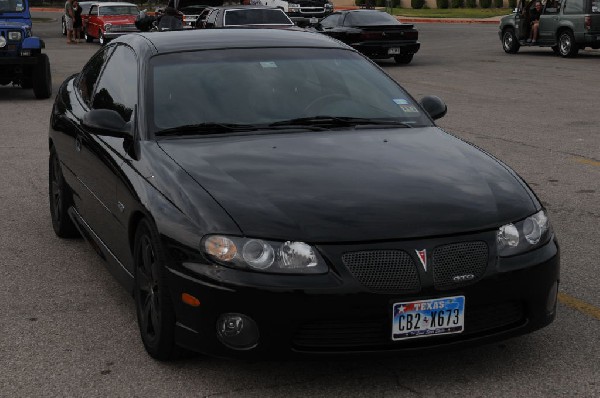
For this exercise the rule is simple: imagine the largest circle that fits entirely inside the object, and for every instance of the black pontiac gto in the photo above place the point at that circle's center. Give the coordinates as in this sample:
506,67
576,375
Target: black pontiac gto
269,193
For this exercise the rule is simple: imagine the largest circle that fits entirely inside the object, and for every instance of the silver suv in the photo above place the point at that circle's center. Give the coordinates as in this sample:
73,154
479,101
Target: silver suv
565,25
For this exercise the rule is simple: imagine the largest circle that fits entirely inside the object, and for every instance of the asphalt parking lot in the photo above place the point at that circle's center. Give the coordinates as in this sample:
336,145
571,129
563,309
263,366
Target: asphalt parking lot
68,329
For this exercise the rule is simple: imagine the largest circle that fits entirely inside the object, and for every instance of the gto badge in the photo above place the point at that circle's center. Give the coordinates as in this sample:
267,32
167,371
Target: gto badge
422,254
463,278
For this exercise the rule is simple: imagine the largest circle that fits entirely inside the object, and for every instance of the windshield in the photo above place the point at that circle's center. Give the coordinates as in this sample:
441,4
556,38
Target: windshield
11,5
251,87
119,10
256,16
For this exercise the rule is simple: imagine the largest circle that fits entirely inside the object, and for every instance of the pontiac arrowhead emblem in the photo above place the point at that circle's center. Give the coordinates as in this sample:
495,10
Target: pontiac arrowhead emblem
422,254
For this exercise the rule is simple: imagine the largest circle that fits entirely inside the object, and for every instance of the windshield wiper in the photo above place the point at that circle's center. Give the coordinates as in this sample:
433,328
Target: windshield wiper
206,128
339,121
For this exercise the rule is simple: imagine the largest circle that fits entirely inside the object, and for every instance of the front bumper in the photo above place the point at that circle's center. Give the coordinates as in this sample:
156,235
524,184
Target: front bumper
327,315
380,50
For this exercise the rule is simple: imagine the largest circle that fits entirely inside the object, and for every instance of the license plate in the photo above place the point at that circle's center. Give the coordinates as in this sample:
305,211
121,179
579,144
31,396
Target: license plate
393,51
313,20
428,318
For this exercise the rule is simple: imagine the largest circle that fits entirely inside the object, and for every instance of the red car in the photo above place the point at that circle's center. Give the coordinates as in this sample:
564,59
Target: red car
110,20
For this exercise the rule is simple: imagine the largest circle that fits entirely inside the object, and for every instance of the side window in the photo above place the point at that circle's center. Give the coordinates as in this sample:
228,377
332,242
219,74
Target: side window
211,18
90,73
94,10
574,7
331,21
117,87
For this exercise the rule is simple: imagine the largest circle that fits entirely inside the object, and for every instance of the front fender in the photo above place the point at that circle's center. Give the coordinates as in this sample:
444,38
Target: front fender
33,43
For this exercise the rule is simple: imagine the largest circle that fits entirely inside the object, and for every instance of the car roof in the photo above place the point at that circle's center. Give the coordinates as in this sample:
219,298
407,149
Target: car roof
115,3
207,39
242,7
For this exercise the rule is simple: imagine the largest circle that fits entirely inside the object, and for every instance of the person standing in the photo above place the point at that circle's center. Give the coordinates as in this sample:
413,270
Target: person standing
69,20
77,22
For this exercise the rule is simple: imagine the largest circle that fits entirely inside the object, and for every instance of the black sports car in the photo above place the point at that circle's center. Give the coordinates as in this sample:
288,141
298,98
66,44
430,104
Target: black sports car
273,193
374,33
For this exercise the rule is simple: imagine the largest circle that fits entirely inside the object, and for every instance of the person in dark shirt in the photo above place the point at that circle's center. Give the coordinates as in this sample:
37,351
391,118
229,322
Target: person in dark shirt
77,22
535,22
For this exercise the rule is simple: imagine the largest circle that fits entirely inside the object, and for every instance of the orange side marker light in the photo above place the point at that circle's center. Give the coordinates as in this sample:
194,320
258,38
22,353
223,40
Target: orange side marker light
190,300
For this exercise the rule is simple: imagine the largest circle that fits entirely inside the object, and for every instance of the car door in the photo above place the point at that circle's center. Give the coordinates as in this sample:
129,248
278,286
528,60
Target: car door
116,89
92,24
549,22
521,20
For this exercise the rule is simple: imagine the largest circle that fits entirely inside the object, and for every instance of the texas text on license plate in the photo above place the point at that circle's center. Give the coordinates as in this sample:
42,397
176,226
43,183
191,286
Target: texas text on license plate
393,51
424,318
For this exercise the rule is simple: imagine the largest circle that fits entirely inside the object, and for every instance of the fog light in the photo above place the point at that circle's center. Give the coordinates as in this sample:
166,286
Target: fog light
237,331
25,53
551,301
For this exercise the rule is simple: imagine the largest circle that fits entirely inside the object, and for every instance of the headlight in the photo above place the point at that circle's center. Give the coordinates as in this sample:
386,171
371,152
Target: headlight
522,236
107,27
264,256
15,36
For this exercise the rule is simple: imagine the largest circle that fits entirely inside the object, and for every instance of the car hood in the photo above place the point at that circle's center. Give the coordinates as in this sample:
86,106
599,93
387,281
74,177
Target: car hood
15,23
354,186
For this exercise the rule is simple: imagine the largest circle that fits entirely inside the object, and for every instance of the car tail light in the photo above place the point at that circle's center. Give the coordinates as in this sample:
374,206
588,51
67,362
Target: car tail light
588,22
371,35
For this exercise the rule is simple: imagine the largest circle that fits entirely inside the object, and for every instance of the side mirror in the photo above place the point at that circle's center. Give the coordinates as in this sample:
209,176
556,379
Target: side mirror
107,122
435,107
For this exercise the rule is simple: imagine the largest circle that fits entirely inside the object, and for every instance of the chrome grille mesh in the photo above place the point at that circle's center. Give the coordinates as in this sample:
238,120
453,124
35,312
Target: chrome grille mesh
456,260
383,271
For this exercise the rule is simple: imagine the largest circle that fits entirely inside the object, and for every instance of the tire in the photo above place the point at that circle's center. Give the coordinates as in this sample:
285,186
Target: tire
42,78
64,26
88,38
103,40
59,199
510,43
403,59
155,314
567,48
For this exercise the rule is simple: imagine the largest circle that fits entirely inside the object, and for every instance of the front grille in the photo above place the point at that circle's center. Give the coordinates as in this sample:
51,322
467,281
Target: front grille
383,271
376,333
459,264
126,28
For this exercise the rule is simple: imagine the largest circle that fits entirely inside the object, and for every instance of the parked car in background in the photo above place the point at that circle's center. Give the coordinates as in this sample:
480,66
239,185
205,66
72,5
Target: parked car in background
191,9
109,20
22,62
374,33
85,10
248,16
302,12
272,193
566,26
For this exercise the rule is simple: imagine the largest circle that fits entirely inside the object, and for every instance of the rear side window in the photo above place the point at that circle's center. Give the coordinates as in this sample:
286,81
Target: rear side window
574,7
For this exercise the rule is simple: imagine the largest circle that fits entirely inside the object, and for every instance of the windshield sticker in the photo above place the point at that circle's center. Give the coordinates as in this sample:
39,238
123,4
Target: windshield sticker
269,64
409,109
400,101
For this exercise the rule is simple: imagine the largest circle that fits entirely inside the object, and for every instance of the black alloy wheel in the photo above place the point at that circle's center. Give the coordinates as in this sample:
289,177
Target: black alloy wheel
567,47
42,78
403,59
155,314
510,43
59,200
